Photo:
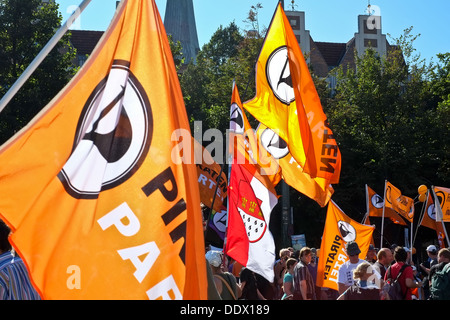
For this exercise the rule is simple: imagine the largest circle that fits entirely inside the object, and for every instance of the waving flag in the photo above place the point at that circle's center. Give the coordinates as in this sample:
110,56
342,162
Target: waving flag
398,202
287,102
210,178
339,229
429,220
442,197
244,147
251,197
249,240
109,214
375,205
318,189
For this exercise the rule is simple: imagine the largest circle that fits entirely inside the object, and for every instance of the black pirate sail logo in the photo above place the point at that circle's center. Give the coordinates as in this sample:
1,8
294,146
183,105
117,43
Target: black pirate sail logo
347,231
377,201
236,119
249,208
279,77
274,144
113,135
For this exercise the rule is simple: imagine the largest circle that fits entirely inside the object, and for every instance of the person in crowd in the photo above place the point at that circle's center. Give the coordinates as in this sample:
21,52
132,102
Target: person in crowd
384,260
15,283
406,279
371,256
288,281
363,287
249,285
426,266
279,270
417,293
304,284
225,282
437,292
345,275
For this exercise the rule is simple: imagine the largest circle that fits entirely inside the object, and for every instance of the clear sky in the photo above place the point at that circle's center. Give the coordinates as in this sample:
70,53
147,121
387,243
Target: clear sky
327,20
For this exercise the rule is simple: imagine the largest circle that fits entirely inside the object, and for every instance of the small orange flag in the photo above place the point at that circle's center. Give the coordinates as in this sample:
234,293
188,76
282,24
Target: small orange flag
442,201
99,206
375,205
287,102
339,229
401,204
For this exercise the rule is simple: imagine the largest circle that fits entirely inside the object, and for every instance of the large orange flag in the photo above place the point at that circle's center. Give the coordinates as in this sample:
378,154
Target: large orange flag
99,207
401,204
287,102
375,205
317,189
339,229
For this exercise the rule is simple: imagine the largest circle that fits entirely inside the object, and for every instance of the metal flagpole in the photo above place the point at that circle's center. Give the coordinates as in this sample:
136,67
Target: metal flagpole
421,217
41,56
382,217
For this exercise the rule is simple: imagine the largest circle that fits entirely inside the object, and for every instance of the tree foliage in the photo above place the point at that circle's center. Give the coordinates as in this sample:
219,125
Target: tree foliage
25,28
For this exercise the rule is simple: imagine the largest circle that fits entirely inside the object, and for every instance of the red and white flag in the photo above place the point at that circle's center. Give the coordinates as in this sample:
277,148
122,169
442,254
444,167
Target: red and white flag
249,240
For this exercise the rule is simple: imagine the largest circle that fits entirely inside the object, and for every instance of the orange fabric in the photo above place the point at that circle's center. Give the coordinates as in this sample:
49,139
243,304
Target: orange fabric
339,229
287,102
399,203
140,237
375,207
443,198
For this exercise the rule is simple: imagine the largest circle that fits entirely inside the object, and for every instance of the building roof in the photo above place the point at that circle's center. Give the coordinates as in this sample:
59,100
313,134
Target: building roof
85,41
332,52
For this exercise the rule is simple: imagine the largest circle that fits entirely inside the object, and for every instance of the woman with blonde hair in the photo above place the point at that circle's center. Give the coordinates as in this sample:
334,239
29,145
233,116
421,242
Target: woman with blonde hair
363,288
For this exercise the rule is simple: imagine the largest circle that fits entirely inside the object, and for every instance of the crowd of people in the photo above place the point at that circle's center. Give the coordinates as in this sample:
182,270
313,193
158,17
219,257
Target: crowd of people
295,274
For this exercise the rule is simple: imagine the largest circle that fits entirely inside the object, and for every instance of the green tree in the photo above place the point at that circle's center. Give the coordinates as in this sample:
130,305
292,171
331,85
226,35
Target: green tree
25,28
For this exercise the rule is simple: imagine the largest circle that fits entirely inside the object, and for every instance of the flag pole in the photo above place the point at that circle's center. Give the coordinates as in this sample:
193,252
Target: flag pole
382,217
41,56
421,217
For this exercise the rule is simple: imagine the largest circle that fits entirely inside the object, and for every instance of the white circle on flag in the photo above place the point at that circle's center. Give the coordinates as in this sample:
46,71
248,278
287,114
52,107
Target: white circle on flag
278,75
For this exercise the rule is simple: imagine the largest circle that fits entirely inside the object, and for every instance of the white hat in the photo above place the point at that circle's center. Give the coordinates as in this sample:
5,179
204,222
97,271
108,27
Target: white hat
431,248
214,258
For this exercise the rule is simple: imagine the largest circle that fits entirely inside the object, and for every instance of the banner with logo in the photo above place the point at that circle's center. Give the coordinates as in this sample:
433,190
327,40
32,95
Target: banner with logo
211,177
100,204
317,189
429,220
287,102
249,240
442,197
375,205
339,229
398,202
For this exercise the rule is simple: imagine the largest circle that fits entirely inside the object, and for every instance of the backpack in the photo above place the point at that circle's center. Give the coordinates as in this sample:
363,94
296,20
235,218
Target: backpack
440,284
394,290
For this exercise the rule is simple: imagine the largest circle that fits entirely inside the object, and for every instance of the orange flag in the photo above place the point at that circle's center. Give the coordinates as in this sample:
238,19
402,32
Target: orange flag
442,197
399,203
429,220
318,189
375,205
244,147
210,178
287,102
98,205
339,229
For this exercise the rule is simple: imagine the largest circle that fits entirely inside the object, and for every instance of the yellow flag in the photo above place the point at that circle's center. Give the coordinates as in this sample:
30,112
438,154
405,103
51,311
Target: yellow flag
339,229
401,204
287,102
99,205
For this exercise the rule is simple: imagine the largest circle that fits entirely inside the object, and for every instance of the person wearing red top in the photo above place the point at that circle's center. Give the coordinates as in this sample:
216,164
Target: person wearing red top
407,278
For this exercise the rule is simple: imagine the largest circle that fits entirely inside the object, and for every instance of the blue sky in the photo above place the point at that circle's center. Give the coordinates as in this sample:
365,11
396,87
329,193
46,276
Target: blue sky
327,20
